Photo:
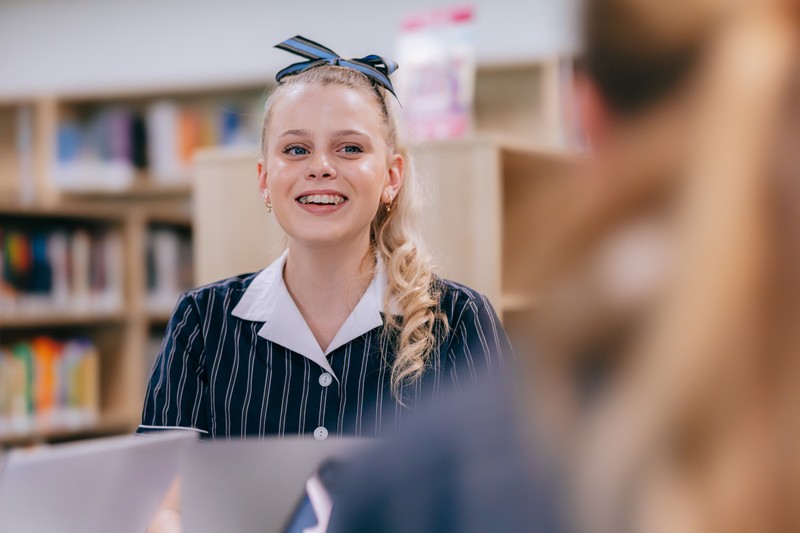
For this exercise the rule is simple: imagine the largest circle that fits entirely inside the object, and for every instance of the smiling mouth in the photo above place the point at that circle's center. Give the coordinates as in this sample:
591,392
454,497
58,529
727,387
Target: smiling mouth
321,199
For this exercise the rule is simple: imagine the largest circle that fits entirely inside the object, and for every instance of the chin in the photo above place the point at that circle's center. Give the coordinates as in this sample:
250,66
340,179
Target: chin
328,233
323,239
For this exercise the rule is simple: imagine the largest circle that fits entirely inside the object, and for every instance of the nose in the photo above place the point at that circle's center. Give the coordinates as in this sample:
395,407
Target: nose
319,166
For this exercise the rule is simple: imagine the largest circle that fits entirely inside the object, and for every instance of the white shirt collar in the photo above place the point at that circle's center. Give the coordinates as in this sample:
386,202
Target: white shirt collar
268,300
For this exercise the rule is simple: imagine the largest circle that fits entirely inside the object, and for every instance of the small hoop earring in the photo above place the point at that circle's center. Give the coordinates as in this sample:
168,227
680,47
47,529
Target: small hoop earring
389,203
267,204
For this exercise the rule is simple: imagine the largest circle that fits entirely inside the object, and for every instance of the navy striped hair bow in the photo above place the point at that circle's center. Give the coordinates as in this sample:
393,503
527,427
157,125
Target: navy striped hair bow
376,68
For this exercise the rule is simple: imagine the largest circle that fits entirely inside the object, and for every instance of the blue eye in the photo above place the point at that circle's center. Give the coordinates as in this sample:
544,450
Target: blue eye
295,150
352,149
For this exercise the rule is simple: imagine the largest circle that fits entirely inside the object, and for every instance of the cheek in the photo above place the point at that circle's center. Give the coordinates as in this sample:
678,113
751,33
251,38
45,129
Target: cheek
372,174
278,175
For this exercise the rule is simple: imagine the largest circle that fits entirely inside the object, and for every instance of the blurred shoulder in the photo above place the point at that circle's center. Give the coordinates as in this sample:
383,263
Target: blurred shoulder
470,464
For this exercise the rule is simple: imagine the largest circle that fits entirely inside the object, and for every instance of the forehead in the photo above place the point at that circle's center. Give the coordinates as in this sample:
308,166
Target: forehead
326,108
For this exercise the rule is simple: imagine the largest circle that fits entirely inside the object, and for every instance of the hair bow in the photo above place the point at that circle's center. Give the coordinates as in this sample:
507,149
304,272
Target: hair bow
376,68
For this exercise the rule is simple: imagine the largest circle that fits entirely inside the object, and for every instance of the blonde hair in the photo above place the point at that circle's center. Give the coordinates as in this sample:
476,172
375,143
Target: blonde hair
394,237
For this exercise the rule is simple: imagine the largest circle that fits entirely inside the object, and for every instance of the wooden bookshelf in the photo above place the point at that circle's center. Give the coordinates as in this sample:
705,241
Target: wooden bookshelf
87,212
180,217
121,337
33,198
517,303
489,204
59,320
159,318
144,187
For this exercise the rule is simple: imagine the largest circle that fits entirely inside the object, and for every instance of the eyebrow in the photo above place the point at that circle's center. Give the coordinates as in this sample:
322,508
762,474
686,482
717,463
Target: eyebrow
337,134
349,133
298,133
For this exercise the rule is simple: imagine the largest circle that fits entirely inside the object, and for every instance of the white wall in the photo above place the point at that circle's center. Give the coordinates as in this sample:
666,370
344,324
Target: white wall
75,46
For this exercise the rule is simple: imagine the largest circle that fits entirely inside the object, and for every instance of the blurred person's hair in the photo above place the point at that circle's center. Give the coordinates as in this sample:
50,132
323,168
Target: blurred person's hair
639,51
699,424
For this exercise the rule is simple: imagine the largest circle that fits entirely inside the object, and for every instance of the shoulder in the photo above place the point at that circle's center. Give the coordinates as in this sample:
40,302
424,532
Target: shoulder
230,289
212,299
456,300
456,290
209,303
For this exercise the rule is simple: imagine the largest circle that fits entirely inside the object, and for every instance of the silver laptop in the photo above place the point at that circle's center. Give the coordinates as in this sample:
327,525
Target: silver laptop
252,485
111,484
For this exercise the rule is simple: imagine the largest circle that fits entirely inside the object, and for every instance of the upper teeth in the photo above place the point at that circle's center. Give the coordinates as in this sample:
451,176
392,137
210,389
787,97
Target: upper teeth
321,199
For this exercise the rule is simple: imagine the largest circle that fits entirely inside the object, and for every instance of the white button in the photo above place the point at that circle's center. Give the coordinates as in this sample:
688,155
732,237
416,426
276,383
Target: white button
320,433
325,379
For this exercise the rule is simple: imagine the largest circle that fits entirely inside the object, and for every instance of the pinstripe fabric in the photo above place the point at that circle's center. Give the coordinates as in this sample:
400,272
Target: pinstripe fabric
216,375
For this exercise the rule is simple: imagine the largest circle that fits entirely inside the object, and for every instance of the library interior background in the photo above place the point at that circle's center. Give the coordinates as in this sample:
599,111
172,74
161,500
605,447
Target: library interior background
129,137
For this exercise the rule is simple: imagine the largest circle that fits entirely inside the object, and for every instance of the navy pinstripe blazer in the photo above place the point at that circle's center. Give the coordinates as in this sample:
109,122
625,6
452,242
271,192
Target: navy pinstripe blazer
216,375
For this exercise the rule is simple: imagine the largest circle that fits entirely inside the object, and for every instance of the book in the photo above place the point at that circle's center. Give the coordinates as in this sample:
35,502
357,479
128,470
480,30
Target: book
77,270
96,152
10,183
25,142
107,147
48,384
168,267
163,118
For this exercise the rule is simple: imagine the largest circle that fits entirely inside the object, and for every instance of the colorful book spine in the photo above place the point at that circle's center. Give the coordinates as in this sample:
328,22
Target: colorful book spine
95,151
60,270
169,271
47,384
105,147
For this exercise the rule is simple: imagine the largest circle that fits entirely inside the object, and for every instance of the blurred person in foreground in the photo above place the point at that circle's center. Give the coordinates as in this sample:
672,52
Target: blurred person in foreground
663,389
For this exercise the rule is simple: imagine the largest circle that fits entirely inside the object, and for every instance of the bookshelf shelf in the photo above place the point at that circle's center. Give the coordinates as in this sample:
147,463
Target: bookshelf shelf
144,187
517,302
179,218
91,213
159,318
61,319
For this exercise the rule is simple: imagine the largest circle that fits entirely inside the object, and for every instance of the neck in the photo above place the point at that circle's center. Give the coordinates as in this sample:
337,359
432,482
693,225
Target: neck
321,271
327,283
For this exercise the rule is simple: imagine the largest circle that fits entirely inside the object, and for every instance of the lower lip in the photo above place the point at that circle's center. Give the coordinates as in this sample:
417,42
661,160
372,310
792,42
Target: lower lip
321,209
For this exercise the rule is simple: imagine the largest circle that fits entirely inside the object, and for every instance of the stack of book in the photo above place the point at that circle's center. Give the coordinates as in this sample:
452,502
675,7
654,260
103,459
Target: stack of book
67,270
46,384
169,267
107,147
17,182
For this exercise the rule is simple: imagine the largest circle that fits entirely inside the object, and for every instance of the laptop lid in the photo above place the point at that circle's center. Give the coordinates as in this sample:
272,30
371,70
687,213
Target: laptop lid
252,485
110,484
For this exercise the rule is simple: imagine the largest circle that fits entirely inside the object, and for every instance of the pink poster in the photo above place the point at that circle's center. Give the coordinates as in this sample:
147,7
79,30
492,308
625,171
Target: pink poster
436,79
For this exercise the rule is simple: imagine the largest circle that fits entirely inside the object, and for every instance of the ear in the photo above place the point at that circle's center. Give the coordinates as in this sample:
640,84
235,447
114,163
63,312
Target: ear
394,179
595,116
262,176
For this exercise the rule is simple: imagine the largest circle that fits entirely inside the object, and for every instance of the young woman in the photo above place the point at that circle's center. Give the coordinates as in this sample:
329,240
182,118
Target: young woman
350,329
